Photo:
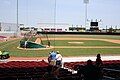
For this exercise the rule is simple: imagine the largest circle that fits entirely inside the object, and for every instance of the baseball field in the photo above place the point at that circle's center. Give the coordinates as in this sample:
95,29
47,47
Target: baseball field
68,45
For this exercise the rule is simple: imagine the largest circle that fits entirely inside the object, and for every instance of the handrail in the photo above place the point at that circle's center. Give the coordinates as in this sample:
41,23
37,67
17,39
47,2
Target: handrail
110,78
111,69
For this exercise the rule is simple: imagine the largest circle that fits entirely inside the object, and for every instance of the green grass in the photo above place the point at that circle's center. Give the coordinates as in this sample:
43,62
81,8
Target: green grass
117,37
85,43
84,52
64,52
11,47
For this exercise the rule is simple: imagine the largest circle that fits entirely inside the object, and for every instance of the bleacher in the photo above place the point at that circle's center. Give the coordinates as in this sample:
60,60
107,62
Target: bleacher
110,69
40,70
22,70
31,70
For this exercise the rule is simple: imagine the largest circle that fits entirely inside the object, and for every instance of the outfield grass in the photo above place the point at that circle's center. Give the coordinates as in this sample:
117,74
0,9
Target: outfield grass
64,52
11,47
85,43
117,37
85,52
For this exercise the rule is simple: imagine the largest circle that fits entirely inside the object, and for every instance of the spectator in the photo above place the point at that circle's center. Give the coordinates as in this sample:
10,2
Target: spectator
58,59
52,58
99,64
98,61
49,58
90,72
55,72
79,72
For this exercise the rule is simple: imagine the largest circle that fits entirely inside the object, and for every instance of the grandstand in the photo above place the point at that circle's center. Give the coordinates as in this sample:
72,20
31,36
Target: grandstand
29,70
110,68
40,70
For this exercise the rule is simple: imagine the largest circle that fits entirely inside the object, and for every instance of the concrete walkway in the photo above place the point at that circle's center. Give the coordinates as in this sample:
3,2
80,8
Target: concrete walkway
65,59
76,59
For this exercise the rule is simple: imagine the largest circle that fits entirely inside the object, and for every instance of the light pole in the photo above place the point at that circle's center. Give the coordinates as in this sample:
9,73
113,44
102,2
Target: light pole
17,19
86,2
54,20
55,14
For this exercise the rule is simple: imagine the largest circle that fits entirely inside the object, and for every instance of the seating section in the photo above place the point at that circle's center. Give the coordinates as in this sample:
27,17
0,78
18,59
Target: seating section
41,70
22,69
110,68
31,70
73,65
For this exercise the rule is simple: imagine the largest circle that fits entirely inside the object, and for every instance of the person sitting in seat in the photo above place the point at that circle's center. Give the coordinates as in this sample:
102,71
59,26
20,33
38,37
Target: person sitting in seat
90,71
58,59
52,58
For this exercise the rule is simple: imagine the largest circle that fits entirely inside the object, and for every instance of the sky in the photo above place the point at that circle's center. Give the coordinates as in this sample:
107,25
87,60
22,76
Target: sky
72,12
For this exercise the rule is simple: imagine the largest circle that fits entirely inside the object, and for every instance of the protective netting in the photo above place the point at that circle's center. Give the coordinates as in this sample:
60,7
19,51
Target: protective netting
31,40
